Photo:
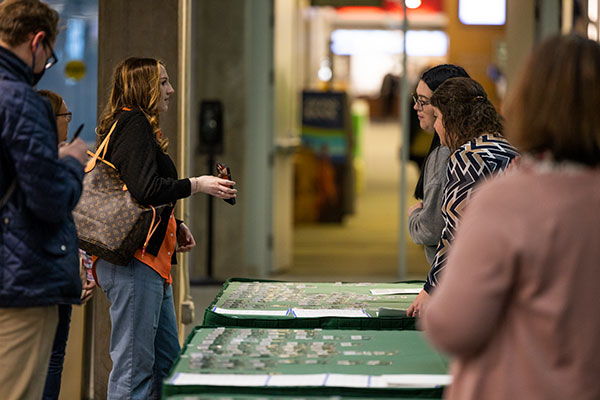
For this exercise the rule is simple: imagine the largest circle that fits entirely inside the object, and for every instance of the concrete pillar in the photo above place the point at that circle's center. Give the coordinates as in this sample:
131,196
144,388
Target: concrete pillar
520,35
550,19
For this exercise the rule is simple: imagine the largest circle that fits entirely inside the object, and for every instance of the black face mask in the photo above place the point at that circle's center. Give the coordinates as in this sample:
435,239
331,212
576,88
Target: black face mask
36,75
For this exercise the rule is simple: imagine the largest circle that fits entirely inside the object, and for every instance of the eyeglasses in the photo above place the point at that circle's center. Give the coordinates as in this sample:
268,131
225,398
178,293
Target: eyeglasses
53,59
420,102
67,115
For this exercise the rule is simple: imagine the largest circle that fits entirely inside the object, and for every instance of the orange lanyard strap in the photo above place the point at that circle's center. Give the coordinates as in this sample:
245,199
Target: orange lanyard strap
151,230
102,148
89,153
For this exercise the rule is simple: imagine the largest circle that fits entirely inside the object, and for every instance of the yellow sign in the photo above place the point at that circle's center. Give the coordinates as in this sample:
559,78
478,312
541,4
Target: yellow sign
75,70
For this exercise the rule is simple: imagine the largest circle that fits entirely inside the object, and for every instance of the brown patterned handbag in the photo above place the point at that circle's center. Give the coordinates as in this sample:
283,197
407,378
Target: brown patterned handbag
110,223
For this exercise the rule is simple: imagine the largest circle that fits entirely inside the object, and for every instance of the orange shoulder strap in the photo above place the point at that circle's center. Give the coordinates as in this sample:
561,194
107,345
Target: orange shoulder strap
101,149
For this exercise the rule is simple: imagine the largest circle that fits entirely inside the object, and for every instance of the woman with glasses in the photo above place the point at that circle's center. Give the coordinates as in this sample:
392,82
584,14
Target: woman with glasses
62,114
57,358
518,305
468,124
425,221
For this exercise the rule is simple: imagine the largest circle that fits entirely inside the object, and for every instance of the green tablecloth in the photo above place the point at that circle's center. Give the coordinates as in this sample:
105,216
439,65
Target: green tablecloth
307,362
241,300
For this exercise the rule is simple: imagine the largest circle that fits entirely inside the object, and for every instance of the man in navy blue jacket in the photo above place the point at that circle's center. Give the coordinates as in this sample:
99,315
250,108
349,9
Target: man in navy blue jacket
39,186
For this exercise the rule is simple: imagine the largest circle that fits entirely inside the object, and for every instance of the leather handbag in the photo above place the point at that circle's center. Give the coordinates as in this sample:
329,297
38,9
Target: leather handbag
110,223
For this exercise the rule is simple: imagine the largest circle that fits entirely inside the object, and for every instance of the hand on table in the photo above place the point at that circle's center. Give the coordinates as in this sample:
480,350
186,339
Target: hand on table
417,308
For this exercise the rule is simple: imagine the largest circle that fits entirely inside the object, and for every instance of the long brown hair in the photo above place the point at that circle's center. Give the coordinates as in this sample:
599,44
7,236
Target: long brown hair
135,84
467,111
554,106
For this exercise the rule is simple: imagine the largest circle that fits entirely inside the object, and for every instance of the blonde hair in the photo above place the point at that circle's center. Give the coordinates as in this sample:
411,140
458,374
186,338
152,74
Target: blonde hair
135,84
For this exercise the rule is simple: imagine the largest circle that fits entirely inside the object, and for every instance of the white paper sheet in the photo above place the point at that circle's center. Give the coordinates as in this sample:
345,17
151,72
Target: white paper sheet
410,381
231,311
310,313
186,379
343,380
331,380
297,380
380,292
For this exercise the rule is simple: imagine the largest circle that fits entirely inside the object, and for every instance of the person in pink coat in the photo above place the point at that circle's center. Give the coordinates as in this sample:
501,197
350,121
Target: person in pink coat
517,307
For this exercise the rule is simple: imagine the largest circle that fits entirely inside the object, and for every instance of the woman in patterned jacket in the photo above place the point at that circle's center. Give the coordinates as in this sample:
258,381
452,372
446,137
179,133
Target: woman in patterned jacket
470,126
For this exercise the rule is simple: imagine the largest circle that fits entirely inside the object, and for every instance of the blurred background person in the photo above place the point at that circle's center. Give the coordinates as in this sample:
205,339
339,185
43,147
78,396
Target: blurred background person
469,125
517,307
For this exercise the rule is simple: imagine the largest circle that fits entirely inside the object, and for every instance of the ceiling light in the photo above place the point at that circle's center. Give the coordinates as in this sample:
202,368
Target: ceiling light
413,3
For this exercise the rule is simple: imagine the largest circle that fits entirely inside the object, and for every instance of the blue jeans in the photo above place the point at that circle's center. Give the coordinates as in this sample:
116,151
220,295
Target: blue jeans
143,338
55,368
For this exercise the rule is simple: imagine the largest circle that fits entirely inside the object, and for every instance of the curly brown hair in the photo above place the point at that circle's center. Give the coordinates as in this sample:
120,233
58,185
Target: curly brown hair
467,112
135,84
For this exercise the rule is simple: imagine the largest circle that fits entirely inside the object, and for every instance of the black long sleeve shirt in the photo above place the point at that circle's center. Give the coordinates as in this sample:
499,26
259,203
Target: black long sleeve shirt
150,175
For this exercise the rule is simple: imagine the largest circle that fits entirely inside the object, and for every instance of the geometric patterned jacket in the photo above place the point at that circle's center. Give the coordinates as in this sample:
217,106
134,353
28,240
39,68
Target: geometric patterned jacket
470,165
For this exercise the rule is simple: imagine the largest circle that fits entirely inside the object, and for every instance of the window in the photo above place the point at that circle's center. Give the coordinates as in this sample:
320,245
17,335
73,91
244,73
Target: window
482,12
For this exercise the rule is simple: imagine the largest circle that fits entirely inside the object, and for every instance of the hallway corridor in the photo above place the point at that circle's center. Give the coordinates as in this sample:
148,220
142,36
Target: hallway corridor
365,246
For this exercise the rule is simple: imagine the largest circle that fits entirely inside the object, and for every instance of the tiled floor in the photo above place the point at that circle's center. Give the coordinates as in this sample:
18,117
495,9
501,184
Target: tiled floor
365,246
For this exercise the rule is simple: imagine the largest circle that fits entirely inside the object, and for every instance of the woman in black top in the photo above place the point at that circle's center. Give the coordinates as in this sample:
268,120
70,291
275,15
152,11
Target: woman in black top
144,339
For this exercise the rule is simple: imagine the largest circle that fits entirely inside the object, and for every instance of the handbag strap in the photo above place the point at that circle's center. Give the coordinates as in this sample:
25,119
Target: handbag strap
101,149
151,230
